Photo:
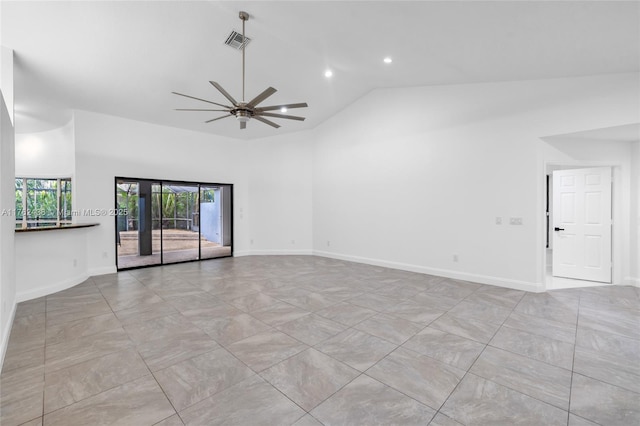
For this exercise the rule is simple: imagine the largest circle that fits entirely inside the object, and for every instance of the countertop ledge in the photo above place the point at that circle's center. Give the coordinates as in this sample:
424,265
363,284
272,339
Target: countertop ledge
55,227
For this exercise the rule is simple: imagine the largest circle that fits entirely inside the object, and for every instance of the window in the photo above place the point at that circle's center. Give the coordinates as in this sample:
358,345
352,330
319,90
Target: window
42,202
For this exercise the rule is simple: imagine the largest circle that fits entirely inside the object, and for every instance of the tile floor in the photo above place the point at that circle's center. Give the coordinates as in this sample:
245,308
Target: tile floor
295,340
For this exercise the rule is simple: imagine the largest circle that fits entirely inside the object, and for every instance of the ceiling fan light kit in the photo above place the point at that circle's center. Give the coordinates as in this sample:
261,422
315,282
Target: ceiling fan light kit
245,111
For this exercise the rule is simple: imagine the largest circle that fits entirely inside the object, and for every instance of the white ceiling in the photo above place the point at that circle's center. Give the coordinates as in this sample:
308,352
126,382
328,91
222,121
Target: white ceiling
125,58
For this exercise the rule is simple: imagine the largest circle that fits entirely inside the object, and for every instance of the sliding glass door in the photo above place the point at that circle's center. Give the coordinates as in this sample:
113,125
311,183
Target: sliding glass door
137,233
180,236
163,222
215,226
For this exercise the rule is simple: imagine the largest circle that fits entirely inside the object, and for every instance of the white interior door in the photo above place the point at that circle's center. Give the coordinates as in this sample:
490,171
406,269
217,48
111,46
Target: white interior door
581,222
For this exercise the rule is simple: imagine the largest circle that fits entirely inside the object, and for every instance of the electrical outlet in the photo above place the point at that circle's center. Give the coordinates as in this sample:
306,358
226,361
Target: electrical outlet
328,243
251,241
498,221
293,241
515,221
455,257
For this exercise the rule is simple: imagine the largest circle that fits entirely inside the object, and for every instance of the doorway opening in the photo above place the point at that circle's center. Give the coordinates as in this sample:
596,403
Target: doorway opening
161,222
579,226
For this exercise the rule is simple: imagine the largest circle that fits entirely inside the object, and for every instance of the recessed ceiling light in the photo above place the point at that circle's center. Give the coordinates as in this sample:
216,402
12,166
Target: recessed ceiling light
328,73
387,60
283,109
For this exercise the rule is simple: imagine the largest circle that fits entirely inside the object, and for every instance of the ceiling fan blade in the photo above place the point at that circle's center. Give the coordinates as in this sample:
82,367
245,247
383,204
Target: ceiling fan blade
289,117
261,97
288,106
219,118
265,121
224,92
193,109
243,125
203,100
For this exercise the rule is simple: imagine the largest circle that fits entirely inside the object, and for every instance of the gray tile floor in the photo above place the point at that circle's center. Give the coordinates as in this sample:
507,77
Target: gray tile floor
284,340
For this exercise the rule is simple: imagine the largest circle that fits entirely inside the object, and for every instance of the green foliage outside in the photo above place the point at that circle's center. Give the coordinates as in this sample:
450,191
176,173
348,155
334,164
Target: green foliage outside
42,199
176,209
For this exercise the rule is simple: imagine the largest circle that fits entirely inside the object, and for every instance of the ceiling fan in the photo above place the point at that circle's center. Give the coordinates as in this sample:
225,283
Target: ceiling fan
244,111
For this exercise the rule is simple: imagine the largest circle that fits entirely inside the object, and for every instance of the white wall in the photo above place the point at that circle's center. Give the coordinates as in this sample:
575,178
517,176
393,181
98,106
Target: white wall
280,194
6,79
50,261
409,177
108,146
634,278
273,174
61,254
46,154
7,201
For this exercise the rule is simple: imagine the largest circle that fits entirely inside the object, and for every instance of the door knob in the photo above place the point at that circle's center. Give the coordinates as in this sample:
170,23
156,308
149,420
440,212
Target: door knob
558,229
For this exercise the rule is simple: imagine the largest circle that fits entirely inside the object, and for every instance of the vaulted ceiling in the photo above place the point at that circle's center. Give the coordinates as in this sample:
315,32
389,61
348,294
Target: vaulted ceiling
124,58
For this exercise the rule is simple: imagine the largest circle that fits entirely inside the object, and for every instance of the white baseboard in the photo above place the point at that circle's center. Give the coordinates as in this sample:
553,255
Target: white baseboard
457,275
273,252
632,281
52,288
104,270
5,334
64,284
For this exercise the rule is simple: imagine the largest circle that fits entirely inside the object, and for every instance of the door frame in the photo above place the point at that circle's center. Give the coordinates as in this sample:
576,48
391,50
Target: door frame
617,198
175,181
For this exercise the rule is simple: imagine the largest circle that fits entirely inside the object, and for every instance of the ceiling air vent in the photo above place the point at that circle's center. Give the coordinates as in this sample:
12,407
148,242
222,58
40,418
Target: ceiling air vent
235,40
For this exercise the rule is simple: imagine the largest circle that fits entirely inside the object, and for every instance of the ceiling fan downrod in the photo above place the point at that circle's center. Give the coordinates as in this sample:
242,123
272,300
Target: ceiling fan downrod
244,16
